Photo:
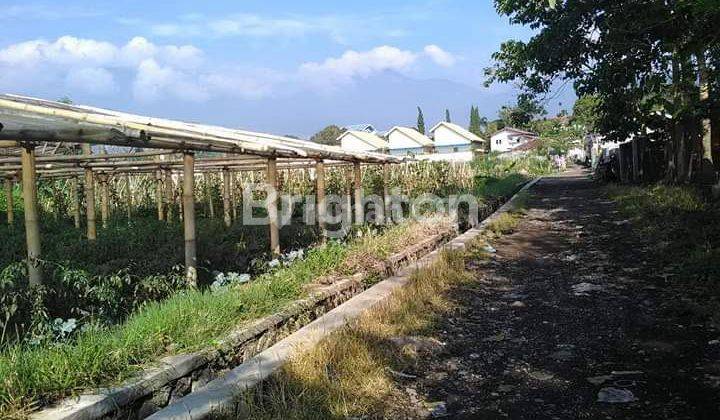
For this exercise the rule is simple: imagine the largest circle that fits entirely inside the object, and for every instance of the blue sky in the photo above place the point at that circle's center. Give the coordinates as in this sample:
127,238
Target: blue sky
282,67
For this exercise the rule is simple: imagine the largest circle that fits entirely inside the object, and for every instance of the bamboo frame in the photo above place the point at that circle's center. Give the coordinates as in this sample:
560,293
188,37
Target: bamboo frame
169,196
320,195
27,120
189,219
359,207
159,195
90,198
128,196
75,201
104,199
387,204
40,120
272,206
32,225
9,201
227,216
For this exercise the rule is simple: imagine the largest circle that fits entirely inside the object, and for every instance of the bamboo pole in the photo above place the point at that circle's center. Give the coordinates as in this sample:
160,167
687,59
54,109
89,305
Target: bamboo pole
272,206
227,217
169,196
320,195
209,192
359,210
348,195
9,201
75,201
32,226
181,181
128,196
90,198
104,200
387,204
159,195
233,196
189,219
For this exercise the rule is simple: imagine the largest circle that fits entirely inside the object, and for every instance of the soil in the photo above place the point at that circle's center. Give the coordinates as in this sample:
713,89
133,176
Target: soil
525,343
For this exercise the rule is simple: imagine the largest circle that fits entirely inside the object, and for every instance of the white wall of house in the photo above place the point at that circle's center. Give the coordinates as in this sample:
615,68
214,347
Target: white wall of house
444,136
400,140
504,141
353,143
466,156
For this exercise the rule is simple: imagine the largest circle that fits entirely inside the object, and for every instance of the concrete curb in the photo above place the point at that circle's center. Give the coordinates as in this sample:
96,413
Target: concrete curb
221,395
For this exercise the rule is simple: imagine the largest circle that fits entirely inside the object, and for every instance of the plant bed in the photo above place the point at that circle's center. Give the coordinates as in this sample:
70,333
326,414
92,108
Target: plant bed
179,375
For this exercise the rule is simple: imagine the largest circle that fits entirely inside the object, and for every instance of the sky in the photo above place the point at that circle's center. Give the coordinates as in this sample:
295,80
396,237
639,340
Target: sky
282,67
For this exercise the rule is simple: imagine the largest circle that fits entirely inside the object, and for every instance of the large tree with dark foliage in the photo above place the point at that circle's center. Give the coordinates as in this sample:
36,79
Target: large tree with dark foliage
651,64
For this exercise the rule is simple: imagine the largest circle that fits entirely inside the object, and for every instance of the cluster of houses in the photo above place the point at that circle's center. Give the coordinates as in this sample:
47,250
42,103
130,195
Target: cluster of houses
446,141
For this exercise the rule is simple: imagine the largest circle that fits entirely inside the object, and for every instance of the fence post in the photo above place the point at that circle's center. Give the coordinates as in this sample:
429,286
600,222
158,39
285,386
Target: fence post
32,226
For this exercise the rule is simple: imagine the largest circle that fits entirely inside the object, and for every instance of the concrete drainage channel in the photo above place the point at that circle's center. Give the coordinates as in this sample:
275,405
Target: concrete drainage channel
200,385
220,398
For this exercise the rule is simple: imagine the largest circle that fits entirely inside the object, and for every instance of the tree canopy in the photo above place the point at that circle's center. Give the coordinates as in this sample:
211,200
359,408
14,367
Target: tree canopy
648,63
523,113
328,135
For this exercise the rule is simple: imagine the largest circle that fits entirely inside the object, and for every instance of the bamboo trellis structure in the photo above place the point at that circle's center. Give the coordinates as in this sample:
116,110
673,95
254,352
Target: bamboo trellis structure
27,123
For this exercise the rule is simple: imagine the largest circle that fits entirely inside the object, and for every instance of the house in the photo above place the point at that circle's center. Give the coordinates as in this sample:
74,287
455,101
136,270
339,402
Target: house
368,128
408,141
362,141
509,138
451,138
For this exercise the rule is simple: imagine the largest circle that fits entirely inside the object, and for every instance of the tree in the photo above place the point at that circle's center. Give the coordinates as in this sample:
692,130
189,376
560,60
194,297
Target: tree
653,66
447,115
420,121
585,113
523,113
477,124
328,135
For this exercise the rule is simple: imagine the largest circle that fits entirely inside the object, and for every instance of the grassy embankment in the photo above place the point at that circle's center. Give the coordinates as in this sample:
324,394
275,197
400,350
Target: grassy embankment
350,374
682,227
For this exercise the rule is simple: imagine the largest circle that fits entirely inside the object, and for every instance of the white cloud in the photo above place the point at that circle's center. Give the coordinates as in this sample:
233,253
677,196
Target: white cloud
72,51
155,72
155,81
92,80
440,56
91,66
257,26
354,64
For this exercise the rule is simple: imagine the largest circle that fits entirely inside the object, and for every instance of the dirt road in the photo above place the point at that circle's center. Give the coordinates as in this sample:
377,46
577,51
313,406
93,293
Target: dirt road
573,318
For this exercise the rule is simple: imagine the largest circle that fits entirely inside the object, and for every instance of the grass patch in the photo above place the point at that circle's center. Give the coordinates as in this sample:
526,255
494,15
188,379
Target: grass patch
349,374
189,320
684,233
503,224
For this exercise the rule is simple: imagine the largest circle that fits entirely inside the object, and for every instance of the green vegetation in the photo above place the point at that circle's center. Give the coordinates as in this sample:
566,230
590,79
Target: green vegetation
111,307
328,135
350,373
647,69
420,121
504,224
187,321
684,229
